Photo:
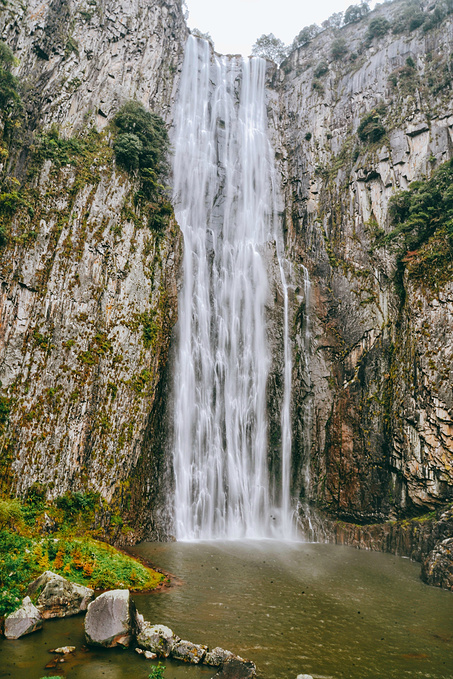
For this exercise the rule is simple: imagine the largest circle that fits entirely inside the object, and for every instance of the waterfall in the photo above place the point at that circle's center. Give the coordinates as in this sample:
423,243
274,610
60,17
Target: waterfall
225,203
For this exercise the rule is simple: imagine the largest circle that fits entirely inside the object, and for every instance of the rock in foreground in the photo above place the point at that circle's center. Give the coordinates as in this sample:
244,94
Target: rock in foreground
25,620
59,598
110,619
235,668
158,639
188,652
218,656
437,568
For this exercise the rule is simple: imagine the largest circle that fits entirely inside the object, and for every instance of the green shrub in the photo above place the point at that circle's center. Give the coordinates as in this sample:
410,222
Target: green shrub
5,407
128,148
338,49
377,27
371,129
318,86
149,129
321,69
9,95
157,672
10,513
423,221
305,36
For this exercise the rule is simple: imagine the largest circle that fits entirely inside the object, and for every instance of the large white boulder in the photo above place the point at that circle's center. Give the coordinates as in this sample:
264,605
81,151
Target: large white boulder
110,619
25,620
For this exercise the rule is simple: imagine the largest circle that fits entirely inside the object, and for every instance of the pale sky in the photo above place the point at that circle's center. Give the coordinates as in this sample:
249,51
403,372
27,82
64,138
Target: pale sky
235,25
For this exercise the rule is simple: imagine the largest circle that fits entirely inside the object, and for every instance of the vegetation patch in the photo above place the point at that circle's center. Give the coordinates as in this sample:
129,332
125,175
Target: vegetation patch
422,218
371,129
69,551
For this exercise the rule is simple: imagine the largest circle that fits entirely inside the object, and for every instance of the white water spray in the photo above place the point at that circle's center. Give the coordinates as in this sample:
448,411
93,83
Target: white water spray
225,200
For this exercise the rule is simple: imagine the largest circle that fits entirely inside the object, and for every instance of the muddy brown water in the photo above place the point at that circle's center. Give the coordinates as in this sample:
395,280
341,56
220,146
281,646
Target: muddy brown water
329,611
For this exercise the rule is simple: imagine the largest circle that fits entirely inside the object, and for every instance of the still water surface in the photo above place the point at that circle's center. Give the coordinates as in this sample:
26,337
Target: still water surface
333,612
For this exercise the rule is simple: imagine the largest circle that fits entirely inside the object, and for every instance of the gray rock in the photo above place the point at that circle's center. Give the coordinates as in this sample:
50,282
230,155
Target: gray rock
217,656
188,652
110,619
158,639
59,598
25,620
304,676
236,668
437,568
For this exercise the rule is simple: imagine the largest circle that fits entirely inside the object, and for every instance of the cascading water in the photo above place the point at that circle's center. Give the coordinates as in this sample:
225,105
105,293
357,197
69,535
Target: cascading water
225,201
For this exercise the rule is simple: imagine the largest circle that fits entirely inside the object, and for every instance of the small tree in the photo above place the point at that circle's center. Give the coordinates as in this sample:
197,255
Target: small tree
334,21
305,36
355,13
378,27
270,47
338,49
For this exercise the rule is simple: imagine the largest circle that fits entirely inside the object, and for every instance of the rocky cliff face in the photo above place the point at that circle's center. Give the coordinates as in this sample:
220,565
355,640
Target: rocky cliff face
88,291
88,296
381,356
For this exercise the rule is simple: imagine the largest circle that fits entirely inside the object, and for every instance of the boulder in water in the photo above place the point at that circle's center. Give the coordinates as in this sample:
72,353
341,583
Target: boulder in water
218,656
59,598
236,668
25,620
188,652
158,639
110,620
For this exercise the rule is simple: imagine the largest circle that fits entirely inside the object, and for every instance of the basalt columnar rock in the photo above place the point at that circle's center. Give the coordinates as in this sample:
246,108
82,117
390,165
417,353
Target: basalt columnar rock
349,135
56,597
25,620
88,303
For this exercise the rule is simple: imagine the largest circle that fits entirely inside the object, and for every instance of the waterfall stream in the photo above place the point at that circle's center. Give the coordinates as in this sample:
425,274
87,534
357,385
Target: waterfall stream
225,201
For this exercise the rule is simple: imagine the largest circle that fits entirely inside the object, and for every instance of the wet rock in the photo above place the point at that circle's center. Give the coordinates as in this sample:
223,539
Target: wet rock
217,656
158,639
188,652
110,620
59,598
304,676
25,620
147,654
437,568
63,650
235,668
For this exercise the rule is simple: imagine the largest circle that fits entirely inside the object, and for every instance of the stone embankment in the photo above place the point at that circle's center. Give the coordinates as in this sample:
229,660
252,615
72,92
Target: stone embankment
427,539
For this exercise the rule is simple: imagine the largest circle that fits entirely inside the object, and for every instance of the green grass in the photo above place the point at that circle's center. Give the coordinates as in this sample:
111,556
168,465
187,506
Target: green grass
69,551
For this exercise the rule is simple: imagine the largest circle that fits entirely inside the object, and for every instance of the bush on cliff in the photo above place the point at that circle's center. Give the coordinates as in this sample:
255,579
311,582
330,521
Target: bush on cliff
142,144
422,218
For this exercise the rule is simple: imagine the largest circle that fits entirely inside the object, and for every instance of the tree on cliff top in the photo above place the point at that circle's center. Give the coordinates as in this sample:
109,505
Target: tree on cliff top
270,47
356,12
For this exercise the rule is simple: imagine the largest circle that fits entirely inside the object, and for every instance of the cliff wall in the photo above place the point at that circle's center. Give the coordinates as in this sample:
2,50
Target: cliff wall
88,289
88,285
381,337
